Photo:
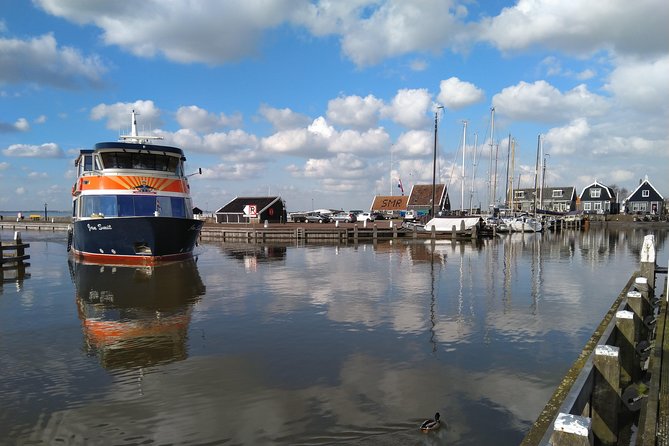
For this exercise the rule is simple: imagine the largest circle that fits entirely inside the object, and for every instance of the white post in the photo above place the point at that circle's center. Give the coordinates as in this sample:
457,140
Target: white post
571,429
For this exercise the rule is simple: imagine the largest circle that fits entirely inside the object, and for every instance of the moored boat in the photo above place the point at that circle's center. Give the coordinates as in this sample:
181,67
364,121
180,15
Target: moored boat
131,203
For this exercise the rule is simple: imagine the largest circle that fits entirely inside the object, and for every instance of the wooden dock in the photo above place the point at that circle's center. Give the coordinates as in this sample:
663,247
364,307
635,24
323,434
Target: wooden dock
617,391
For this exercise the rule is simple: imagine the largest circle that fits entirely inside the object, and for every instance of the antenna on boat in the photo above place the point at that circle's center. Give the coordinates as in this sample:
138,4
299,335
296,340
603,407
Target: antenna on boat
134,135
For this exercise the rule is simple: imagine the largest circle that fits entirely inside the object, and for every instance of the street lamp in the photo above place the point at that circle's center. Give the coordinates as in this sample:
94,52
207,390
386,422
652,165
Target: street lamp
45,213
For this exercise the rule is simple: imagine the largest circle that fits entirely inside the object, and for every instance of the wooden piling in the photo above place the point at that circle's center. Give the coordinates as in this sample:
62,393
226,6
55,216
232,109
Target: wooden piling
572,430
626,340
606,394
648,259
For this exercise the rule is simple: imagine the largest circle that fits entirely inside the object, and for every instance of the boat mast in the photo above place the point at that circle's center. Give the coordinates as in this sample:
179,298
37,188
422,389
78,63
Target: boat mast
464,149
471,189
536,174
434,160
508,159
491,197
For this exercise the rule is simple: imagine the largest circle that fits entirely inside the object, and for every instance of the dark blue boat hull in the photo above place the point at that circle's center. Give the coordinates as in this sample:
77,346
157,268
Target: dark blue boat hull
143,240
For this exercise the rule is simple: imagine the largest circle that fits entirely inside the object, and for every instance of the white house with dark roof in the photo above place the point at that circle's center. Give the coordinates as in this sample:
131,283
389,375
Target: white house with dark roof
644,200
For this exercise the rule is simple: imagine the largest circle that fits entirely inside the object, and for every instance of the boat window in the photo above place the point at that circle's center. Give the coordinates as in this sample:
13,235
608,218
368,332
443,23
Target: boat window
99,206
140,161
145,205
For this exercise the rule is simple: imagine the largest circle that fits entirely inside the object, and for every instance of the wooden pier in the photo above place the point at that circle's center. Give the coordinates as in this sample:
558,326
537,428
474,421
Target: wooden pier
13,259
617,391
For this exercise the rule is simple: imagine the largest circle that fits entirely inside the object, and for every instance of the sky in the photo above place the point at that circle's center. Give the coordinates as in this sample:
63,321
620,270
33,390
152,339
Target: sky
329,103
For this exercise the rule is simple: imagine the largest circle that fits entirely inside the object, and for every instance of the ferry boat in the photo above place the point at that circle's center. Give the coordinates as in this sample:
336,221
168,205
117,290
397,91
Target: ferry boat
131,203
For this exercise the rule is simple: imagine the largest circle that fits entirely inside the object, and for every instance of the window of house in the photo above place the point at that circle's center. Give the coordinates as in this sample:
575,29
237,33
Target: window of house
645,193
597,206
557,193
519,194
586,206
595,193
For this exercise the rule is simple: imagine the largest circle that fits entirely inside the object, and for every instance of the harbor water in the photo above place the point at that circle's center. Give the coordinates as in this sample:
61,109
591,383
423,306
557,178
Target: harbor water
290,344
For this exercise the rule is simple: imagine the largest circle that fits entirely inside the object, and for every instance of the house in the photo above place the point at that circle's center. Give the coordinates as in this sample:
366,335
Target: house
597,198
253,210
645,200
420,199
553,199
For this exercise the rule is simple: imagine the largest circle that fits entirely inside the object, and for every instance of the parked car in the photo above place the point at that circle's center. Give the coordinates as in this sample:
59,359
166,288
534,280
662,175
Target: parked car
365,216
378,216
345,217
411,216
315,217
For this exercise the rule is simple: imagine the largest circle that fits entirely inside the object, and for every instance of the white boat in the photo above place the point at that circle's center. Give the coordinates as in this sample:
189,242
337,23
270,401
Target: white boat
525,223
446,223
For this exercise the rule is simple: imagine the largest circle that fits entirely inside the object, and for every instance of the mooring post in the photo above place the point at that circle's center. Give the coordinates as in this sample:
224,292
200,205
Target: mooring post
20,250
374,233
626,341
454,232
355,233
648,260
433,235
606,394
572,430
642,308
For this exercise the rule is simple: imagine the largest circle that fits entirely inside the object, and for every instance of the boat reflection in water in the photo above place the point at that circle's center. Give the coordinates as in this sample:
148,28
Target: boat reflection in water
136,316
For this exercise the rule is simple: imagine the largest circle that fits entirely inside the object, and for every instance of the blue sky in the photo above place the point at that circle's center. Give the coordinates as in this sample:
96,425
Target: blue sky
331,103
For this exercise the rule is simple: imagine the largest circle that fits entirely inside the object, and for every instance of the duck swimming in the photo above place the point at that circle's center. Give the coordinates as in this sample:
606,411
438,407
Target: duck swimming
431,425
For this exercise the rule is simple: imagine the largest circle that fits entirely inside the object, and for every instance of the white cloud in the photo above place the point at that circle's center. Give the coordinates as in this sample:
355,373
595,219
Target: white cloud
373,31
283,119
4,166
409,107
118,115
569,139
540,101
199,119
355,111
580,28
182,31
455,94
414,143
21,125
641,85
41,61
48,150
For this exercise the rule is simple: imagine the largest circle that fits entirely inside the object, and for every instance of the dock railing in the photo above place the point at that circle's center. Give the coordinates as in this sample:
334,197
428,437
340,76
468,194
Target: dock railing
611,391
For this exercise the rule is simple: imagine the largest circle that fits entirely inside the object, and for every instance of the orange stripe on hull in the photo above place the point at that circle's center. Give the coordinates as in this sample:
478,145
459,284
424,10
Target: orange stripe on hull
132,182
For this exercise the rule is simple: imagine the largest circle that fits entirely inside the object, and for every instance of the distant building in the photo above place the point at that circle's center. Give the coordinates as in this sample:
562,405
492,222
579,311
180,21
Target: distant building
644,200
253,210
420,199
598,199
553,199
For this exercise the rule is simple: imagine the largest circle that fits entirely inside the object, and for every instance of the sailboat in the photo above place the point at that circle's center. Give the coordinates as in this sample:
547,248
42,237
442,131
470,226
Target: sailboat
446,223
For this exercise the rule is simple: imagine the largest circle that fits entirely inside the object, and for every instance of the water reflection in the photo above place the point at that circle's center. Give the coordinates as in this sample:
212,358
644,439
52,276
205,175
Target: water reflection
251,254
136,316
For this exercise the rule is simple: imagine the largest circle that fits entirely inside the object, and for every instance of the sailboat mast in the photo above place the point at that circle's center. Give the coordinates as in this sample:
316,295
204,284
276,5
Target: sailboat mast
491,197
434,161
508,159
536,174
464,149
471,189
